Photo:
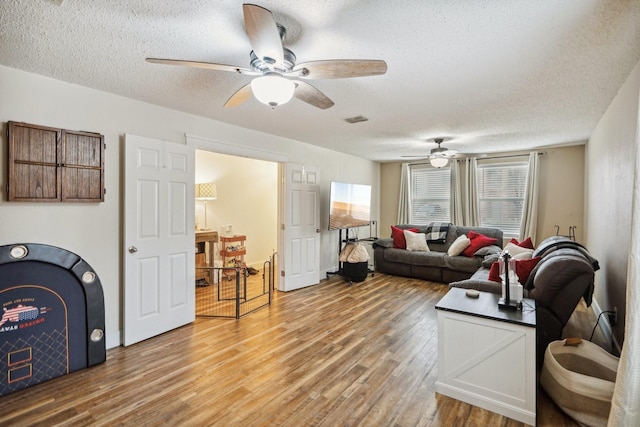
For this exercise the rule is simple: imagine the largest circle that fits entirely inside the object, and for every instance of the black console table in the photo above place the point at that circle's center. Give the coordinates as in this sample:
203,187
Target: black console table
343,241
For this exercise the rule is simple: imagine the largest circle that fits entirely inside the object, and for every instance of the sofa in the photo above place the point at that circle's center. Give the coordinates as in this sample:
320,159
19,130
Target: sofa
564,273
434,265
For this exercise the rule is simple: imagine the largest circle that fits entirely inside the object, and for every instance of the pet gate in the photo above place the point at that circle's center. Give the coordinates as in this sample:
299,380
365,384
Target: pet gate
232,292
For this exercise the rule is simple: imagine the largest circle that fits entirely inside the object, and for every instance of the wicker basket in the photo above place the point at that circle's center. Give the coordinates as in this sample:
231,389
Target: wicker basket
580,379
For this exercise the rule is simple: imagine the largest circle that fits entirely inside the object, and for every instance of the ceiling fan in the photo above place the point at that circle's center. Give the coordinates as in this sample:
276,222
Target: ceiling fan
276,68
439,156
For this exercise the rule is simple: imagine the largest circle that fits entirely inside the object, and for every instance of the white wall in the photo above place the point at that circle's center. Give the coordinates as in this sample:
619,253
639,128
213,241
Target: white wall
94,231
609,194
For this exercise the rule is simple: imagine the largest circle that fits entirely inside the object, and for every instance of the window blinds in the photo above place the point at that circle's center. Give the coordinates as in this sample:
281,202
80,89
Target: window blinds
430,194
501,196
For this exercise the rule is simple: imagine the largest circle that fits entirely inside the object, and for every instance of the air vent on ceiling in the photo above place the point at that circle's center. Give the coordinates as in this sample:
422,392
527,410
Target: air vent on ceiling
356,119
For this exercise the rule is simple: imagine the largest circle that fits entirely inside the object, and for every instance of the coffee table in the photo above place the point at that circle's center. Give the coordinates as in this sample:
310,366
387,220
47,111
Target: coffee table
487,356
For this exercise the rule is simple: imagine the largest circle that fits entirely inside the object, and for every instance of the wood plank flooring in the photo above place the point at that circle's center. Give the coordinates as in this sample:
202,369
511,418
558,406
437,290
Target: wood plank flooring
328,355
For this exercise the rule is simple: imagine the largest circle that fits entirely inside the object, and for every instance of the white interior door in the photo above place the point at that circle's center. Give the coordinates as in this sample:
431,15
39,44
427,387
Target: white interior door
302,228
159,255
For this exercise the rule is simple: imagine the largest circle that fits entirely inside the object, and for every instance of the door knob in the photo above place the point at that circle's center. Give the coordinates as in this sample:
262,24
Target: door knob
317,230
133,249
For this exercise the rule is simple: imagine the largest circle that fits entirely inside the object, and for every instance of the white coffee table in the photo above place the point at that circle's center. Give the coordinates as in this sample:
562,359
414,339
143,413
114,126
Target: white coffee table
487,356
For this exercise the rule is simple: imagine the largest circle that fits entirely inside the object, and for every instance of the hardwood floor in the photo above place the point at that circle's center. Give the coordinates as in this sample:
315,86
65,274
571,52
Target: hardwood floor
328,355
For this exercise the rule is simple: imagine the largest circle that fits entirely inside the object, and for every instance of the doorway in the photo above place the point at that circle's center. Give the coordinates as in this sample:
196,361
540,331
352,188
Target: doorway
244,213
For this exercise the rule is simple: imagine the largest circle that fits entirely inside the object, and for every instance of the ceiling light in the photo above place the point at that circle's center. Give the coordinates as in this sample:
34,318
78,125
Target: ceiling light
272,89
438,162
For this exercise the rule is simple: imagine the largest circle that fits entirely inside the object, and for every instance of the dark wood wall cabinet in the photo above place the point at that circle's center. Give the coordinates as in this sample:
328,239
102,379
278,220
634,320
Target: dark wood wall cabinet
54,165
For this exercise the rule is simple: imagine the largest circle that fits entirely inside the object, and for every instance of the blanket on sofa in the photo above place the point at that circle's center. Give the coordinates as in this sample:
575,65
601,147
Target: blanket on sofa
437,232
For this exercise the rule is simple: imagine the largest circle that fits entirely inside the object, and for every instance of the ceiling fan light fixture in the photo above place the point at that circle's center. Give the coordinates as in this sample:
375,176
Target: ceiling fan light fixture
272,89
438,162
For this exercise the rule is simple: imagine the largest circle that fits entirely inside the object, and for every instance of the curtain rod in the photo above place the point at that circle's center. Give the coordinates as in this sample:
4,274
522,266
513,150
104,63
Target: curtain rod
513,155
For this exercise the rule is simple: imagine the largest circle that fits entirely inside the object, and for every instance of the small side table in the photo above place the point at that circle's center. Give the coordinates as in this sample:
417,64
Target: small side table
203,239
487,356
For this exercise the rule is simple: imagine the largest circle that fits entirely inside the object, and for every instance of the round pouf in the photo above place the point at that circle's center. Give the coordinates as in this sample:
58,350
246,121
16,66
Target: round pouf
580,379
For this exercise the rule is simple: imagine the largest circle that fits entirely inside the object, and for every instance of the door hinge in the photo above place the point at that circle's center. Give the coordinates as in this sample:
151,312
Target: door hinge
281,273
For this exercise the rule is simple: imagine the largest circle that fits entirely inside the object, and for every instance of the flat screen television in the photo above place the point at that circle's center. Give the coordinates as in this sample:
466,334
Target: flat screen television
349,205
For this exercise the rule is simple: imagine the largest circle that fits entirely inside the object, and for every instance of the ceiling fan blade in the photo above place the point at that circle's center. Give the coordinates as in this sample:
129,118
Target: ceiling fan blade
239,97
340,68
207,65
309,94
263,34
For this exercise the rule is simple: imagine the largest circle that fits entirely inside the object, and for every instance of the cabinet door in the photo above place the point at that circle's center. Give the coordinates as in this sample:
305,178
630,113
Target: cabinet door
82,171
53,165
33,163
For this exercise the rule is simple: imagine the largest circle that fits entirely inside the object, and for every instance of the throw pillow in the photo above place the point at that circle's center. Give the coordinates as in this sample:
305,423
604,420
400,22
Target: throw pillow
514,249
416,241
526,243
488,260
488,250
523,269
459,245
524,255
494,272
397,234
477,241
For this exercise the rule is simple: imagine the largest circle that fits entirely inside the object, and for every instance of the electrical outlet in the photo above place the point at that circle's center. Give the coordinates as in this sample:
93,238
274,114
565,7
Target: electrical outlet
613,317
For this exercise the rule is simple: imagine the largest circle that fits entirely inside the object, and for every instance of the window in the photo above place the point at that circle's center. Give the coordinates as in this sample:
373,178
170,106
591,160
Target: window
430,194
501,196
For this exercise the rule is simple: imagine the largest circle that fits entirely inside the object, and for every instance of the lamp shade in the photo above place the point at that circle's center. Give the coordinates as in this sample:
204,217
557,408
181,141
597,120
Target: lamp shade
438,162
272,89
206,192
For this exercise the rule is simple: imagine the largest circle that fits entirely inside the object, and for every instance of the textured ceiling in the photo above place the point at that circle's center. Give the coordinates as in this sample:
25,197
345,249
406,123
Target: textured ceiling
493,75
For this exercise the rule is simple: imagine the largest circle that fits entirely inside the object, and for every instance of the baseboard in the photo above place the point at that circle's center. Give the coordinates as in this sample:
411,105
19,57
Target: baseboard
605,327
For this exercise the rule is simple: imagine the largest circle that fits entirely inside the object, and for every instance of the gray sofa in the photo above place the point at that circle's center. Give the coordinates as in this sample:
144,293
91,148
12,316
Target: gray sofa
564,274
434,265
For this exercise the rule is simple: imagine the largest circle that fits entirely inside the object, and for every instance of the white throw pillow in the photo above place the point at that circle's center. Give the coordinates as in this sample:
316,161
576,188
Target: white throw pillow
523,255
459,245
515,250
416,241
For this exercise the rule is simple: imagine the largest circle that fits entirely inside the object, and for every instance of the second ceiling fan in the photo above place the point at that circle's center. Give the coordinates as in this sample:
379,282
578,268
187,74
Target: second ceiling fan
278,76
439,156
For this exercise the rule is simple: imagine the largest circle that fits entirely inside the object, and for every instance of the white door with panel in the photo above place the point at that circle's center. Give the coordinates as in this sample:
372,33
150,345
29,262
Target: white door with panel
159,241
302,228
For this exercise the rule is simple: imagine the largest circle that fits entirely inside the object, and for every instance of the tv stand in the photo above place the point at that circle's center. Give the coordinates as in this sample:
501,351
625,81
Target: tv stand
342,242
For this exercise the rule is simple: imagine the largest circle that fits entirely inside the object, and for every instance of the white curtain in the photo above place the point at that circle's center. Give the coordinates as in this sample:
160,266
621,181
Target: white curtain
472,214
456,207
404,200
625,405
528,227
464,192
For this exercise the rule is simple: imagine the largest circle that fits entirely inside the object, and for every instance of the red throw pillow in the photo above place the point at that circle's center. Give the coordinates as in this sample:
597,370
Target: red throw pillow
477,241
494,272
397,234
523,269
526,243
